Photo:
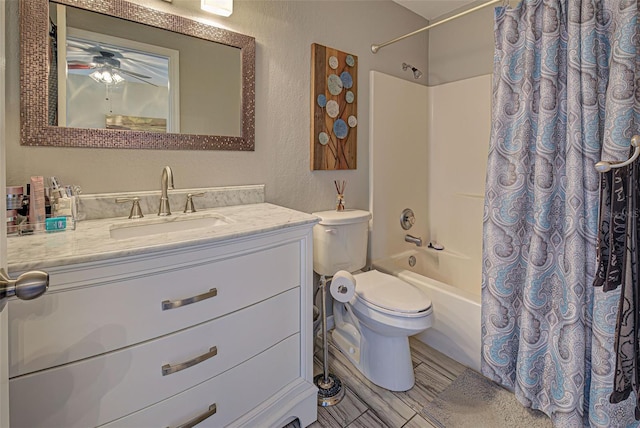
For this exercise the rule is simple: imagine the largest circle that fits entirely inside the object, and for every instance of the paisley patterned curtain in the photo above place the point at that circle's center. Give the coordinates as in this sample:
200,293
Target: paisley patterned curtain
566,94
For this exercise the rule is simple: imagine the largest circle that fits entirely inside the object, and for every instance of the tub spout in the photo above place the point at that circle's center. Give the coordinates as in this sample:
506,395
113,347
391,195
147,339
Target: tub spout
413,240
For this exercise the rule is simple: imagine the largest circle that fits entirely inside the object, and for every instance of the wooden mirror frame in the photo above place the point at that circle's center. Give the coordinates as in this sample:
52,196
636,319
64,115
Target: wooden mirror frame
34,73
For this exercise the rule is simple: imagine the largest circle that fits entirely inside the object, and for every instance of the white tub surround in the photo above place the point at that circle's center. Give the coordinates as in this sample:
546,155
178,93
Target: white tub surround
163,329
398,173
458,145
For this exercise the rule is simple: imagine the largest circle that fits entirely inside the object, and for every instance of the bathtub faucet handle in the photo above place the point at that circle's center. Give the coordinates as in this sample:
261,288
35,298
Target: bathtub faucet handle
407,219
413,240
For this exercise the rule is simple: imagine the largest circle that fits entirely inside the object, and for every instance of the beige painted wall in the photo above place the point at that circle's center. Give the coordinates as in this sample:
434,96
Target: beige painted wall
284,31
462,48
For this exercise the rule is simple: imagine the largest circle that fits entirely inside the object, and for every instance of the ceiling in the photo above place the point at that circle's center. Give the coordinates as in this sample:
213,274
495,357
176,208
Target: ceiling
431,9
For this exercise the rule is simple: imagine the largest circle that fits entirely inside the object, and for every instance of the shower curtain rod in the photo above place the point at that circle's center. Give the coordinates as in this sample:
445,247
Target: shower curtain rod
376,48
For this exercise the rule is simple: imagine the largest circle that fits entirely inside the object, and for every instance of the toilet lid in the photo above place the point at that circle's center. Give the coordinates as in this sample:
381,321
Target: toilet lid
391,293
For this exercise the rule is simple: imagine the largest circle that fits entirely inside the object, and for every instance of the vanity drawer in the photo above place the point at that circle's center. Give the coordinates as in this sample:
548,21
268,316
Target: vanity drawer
100,389
70,325
234,392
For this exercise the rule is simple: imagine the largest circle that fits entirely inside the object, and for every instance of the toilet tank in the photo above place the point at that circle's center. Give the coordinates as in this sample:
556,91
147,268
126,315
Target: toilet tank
340,241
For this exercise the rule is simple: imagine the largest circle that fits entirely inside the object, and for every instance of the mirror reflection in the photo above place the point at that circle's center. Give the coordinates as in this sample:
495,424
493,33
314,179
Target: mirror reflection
116,74
110,73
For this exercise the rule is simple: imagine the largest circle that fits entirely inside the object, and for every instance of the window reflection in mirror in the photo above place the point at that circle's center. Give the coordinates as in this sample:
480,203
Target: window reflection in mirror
117,74
106,77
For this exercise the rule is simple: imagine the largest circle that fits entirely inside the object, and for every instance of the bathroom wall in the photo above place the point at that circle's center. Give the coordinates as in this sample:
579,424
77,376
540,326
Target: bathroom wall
284,31
462,48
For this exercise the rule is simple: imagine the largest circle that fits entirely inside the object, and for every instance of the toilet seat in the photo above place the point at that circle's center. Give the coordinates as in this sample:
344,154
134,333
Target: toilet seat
389,294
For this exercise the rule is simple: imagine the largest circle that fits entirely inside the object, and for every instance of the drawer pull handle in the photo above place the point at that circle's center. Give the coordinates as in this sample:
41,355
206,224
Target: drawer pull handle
195,421
168,304
168,369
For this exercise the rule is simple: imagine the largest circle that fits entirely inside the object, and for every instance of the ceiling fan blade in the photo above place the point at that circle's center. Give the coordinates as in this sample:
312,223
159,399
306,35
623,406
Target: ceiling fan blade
79,65
91,47
102,51
135,76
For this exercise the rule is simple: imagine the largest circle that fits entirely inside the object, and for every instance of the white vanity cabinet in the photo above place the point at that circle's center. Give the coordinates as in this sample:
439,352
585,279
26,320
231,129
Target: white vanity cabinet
218,333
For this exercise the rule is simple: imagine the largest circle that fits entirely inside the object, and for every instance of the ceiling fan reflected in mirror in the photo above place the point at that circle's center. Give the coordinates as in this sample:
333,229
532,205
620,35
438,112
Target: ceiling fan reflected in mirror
107,69
112,65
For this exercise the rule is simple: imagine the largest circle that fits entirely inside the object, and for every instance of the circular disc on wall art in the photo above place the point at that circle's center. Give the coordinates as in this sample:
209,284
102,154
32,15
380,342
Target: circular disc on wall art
352,121
347,80
322,100
334,84
333,109
340,128
333,62
349,96
350,60
323,138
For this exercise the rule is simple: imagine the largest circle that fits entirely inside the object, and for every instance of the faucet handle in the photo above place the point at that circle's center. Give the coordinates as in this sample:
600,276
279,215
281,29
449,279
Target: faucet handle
407,219
188,206
136,211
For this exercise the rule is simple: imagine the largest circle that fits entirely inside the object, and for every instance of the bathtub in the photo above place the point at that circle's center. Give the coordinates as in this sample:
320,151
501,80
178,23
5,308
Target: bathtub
456,303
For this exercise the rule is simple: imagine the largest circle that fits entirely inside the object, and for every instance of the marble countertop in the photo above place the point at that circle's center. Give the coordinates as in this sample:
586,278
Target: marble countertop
92,241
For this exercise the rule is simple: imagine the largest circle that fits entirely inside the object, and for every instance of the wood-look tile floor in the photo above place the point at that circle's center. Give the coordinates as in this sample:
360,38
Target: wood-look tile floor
367,405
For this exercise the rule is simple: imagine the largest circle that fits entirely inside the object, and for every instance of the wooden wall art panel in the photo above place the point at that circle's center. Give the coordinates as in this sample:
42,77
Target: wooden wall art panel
334,108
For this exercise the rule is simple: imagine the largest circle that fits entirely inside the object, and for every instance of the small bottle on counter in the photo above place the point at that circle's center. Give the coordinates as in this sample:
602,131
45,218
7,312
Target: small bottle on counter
24,207
47,202
14,203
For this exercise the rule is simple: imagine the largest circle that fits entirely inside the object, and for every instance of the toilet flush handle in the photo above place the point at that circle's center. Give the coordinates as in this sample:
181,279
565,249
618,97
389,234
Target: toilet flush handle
331,231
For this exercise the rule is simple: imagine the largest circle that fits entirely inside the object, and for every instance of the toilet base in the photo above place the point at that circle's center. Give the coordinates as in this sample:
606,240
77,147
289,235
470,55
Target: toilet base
384,360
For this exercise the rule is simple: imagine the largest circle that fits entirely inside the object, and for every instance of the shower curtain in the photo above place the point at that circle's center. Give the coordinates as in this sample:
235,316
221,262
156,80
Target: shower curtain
564,96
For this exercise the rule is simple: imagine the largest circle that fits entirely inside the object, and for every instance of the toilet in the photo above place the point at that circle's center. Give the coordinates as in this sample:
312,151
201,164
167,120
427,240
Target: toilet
372,330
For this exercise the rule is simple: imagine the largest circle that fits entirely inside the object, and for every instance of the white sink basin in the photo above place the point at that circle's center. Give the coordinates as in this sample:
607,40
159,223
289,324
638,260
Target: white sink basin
154,226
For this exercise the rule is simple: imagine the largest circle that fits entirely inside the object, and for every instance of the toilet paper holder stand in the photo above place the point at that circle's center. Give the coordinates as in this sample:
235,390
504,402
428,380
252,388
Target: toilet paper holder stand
330,388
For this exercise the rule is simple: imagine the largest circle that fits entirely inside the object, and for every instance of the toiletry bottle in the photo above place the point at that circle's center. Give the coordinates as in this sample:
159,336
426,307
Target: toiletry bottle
24,210
14,203
47,202
36,203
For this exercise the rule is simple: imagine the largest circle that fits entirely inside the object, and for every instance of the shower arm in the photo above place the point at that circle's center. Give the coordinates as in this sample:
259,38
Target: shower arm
604,166
376,48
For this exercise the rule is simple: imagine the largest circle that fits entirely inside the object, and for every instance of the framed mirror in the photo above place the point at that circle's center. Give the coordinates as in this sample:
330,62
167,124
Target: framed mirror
113,74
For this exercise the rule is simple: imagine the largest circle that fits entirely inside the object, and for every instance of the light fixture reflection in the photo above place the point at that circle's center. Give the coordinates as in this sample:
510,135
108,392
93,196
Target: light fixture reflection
219,7
107,76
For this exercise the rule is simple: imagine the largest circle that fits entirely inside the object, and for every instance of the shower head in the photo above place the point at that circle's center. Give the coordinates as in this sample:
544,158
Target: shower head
416,73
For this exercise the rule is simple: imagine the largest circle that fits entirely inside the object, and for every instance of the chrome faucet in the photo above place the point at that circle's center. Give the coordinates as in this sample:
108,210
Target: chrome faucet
413,240
166,181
